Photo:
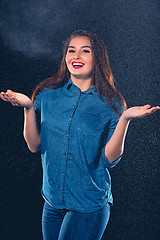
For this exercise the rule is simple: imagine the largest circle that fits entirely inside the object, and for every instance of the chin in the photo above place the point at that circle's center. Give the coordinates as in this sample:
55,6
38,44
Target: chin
79,77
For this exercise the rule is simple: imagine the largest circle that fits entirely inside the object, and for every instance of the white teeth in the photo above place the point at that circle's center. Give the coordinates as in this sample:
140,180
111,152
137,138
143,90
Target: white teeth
77,64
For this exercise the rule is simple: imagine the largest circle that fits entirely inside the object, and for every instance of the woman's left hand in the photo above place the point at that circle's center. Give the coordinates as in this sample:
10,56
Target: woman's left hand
139,112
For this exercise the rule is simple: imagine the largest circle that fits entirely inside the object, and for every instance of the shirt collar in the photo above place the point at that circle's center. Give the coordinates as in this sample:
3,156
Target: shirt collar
69,85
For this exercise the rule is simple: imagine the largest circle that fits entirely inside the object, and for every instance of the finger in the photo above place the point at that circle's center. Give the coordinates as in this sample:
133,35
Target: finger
14,104
4,97
146,106
9,95
9,91
151,110
9,98
156,108
15,101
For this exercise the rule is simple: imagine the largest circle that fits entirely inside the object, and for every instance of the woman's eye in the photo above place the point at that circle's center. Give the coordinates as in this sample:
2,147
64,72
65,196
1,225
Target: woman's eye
86,51
71,51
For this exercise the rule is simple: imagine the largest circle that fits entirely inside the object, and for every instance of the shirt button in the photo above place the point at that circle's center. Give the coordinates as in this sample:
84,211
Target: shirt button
69,119
62,170
65,153
74,105
66,135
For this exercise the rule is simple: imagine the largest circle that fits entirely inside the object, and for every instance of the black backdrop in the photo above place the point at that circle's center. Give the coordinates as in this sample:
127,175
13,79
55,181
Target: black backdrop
31,42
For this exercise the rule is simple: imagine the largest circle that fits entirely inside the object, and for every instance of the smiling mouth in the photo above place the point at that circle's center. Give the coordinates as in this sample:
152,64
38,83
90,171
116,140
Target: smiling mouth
77,65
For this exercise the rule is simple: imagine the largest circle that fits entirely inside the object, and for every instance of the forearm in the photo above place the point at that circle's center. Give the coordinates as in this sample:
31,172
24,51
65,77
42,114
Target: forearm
31,134
115,146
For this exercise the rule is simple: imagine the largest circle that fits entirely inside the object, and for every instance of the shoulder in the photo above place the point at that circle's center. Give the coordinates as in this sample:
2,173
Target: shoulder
115,103
110,109
46,92
46,95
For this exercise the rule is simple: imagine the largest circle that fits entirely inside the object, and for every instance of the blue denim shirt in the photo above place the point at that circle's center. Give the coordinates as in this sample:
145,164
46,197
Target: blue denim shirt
75,126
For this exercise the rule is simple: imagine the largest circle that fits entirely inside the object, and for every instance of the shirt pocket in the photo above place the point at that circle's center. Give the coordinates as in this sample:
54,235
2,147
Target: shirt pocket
90,124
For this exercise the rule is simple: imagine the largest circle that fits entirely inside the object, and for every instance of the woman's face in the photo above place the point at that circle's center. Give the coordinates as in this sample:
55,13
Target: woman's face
79,58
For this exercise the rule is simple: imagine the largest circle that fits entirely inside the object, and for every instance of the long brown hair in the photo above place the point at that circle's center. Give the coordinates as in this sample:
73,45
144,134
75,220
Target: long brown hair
102,75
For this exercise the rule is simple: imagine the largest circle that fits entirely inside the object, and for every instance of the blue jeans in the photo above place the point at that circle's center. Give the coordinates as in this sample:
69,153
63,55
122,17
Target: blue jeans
71,225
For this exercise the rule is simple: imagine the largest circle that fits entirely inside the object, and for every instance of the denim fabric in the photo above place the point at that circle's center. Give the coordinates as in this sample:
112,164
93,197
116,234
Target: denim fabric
71,225
75,126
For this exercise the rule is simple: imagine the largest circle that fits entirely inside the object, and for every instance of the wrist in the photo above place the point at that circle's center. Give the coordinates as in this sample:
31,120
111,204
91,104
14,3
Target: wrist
29,107
125,118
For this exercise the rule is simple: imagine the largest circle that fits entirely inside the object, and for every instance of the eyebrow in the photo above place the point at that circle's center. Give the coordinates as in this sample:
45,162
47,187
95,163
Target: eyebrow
81,47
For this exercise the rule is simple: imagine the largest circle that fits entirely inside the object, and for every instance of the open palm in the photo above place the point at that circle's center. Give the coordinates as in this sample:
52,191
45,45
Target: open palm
16,99
139,112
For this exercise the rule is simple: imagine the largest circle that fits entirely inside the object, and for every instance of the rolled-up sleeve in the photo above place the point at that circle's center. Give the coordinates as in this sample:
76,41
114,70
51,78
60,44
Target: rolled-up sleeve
37,108
112,126
107,163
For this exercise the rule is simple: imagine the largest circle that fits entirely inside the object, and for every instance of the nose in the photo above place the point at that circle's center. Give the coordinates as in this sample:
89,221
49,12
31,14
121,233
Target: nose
76,56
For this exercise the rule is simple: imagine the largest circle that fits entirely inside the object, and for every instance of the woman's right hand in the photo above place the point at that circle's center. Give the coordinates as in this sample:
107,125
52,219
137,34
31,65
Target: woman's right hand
17,99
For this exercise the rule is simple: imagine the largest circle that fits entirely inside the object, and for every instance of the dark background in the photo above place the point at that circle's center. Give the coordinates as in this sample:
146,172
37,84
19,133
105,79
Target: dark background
32,33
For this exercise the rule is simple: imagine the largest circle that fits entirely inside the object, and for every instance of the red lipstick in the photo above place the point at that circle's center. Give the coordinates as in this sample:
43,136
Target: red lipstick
77,65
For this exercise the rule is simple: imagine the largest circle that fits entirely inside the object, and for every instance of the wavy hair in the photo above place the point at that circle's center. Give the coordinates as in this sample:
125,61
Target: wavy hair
102,74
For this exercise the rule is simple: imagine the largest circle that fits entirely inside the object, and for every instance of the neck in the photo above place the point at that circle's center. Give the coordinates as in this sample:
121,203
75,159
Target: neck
82,84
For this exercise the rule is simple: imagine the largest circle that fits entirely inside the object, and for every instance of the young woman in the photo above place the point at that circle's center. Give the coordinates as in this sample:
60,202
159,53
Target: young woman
80,121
